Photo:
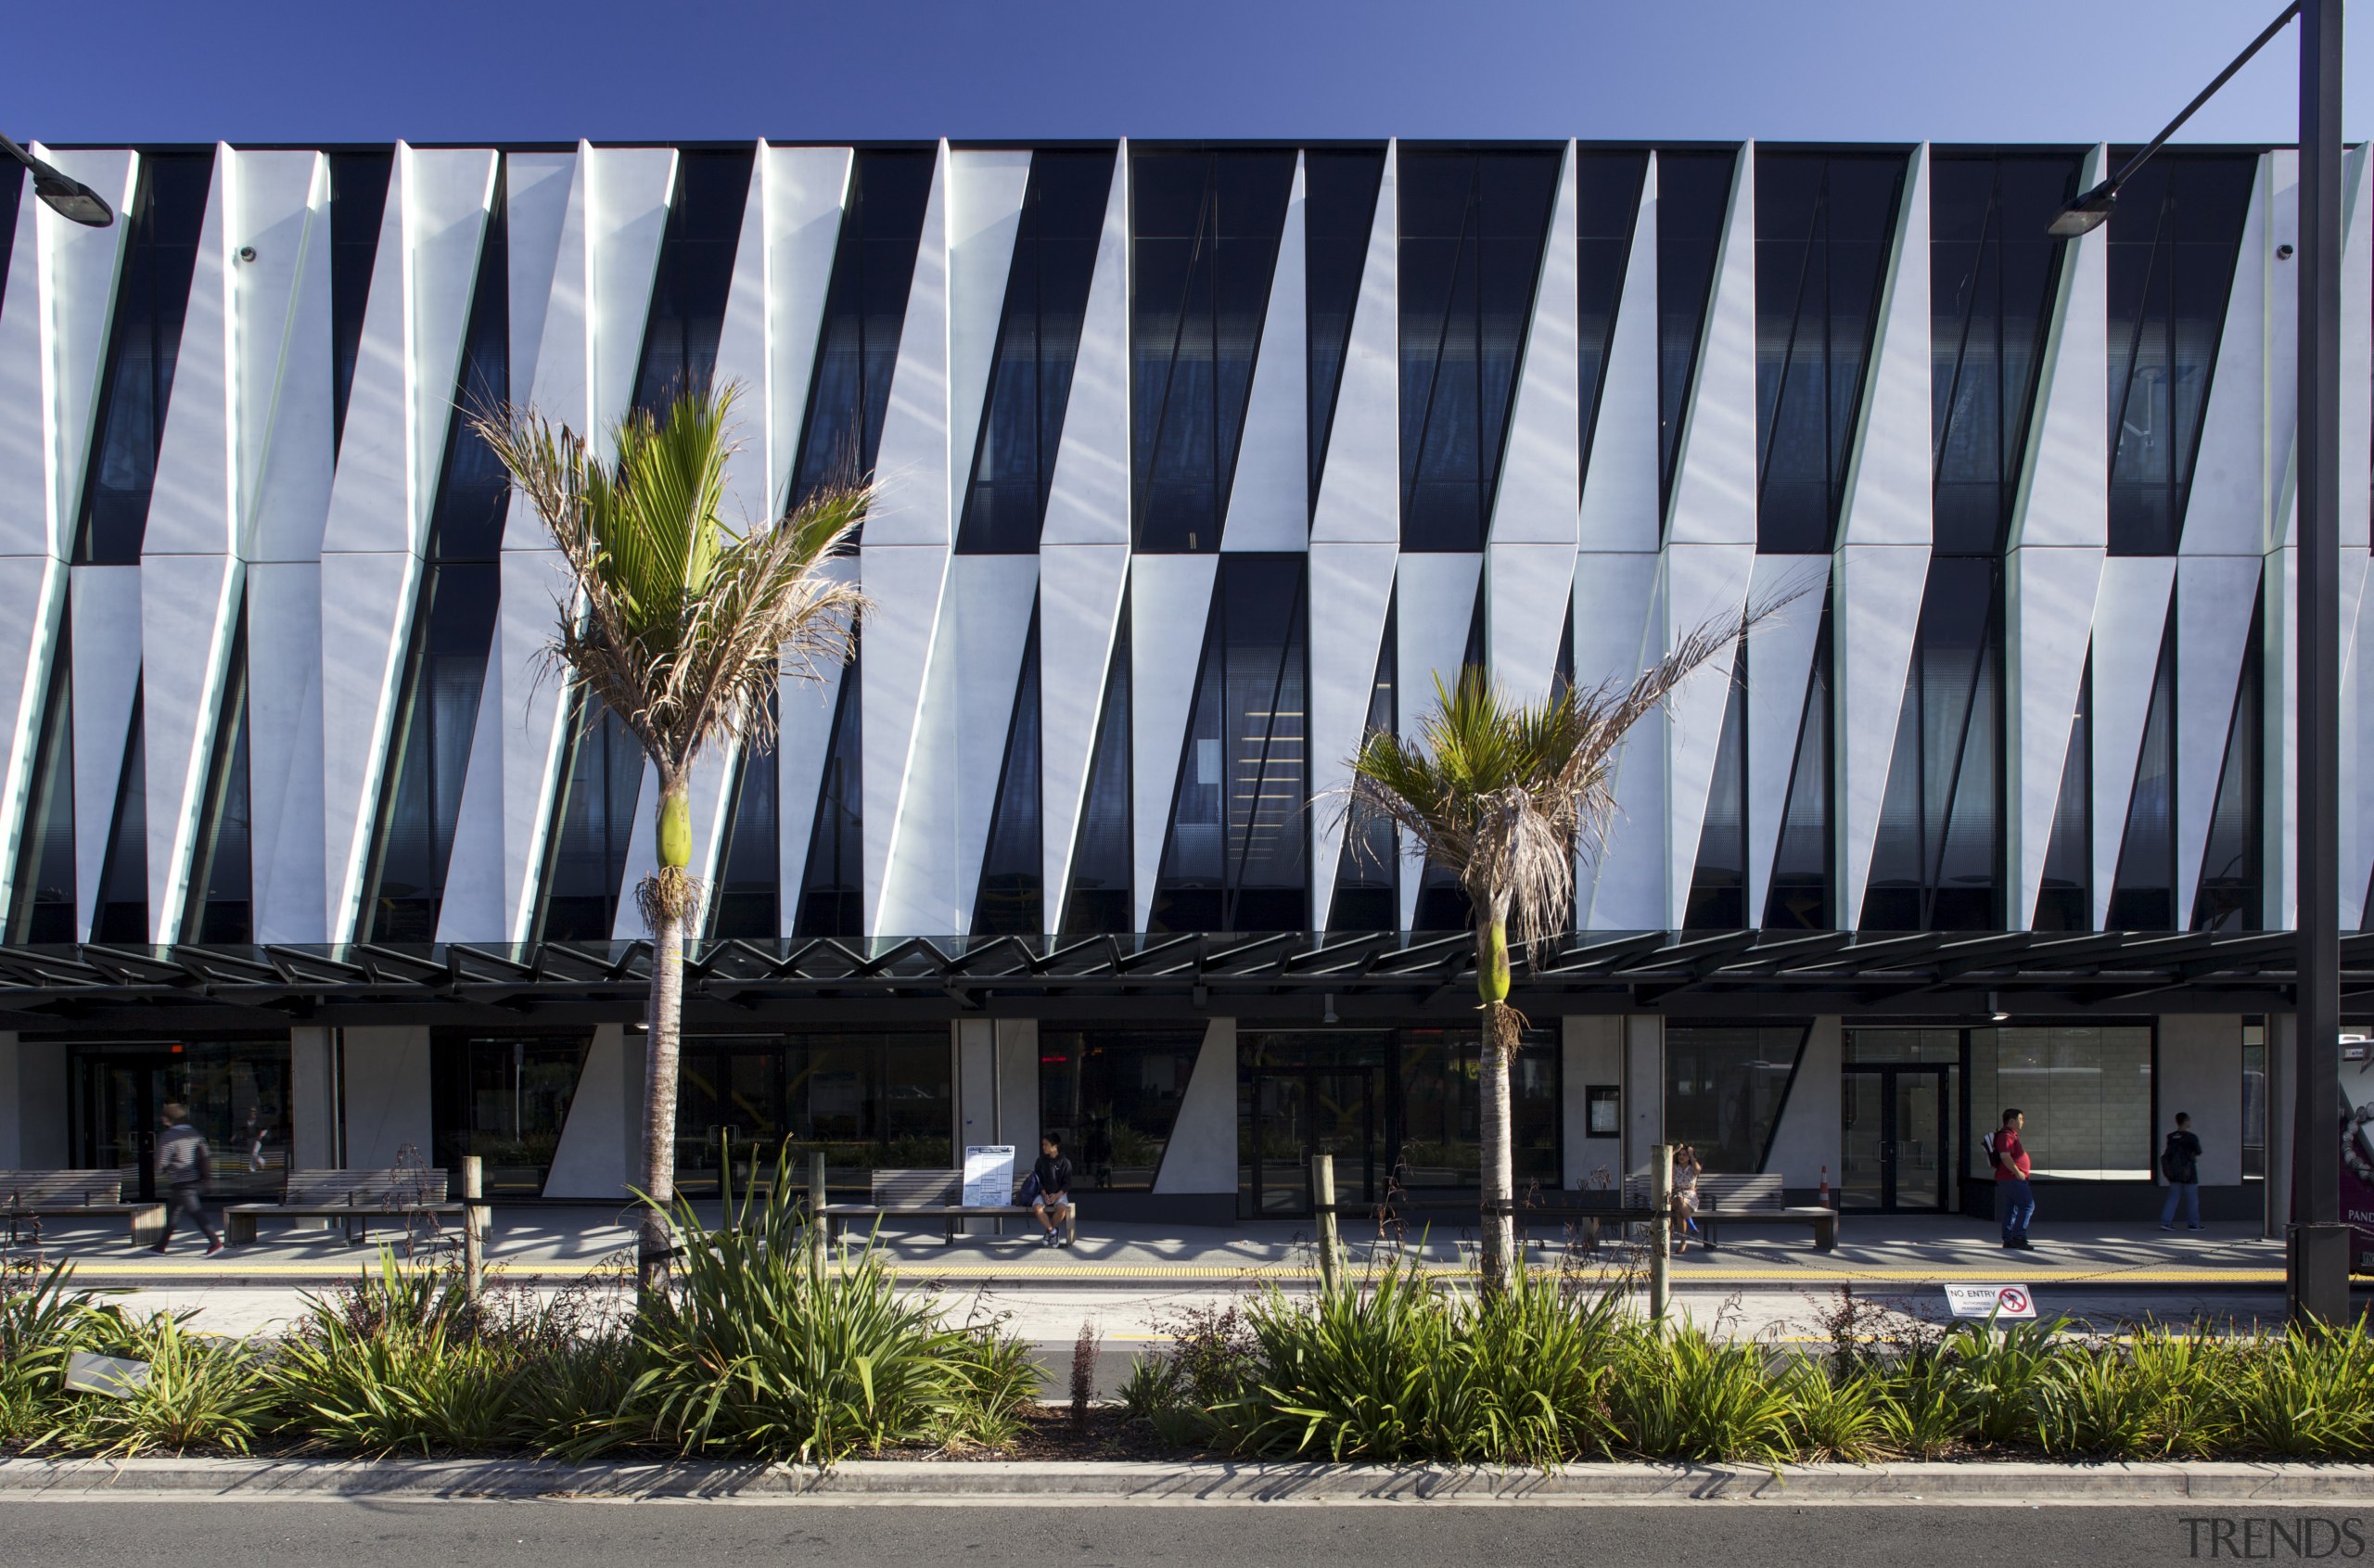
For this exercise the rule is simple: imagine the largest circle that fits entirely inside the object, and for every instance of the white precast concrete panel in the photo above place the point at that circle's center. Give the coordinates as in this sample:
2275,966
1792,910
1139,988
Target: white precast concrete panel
993,601
284,749
1779,668
2064,482
286,435
985,195
709,794
1435,605
1620,630
627,192
924,893
1087,500
531,709
1703,583
472,909
807,188
195,505
1351,592
32,592
1620,502
748,498
1872,627
1806,1134
2049,598
907,584
107,678
600,1142
912,470
1889,482
188,610
1714,477
2215,598
2246,424
1529,596
1080,593
1269,501
1201,1155
53,330
2130,617
1538,498
538,203
1170,604
804,738
1359,482
364,612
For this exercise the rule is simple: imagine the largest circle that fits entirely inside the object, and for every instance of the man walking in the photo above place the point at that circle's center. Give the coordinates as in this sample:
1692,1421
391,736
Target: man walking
182,1167
2180,1165
2015,1201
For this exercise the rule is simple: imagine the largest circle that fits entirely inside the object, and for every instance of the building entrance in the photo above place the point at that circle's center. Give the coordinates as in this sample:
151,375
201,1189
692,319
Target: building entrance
237,1096
1295,1113
1894,1139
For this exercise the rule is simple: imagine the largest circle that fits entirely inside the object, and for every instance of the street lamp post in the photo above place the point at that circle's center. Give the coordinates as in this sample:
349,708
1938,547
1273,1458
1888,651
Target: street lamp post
2317,1256
62,193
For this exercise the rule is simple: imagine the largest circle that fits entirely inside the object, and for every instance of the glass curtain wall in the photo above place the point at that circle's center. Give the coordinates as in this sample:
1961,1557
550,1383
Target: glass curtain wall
747,899
1693,200
122,912
866,1100
1368,883
832,889
695,276
505,1099
1607,209
219,906
2086,1090
1010,901
1340,187
1800,895
2143,891
41,895
1936,862
1099,898
593,824
1725,1086
1113,1095
358,206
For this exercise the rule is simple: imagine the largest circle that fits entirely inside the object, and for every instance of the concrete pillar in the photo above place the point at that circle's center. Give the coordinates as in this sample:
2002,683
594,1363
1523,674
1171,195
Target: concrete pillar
2199,1072
1018,1049
600,1151
1201,1156
385,1081
32,1104
1807,1138
1593,1047
312,1099
1644,1087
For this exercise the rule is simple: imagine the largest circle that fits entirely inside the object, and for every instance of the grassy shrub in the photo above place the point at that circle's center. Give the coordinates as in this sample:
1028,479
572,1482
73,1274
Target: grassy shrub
1833,1412
2006,1374
211,1395
2299,1396
43,1321
1682,1394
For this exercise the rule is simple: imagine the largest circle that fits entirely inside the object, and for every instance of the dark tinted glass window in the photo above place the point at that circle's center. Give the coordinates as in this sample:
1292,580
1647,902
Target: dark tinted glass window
2173,240
1443,904
747,900
862,1098
358,203
1113,1096
1993,270
1718,882
1607,209
2065,894
122,914
1799,895
695,276
1824,223
1439,1110
2143,891
504,1100
2231,878
865,310
832,893
1235,858
1693,199
11,192
220,906
1203,233
473,490
1937,861
1011,899
1099,897
1031,378
1472,228
1368,887
151,299
42,896
1340,188
1724,1090
592,826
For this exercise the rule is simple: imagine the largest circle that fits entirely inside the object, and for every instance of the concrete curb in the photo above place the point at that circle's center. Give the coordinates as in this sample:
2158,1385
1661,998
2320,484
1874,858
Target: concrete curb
989,1482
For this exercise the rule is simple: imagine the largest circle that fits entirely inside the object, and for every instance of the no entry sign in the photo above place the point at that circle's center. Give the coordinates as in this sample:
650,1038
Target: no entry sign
1990,1301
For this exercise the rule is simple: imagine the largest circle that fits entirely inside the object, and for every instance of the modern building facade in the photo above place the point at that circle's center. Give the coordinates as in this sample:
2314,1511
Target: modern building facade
1196,463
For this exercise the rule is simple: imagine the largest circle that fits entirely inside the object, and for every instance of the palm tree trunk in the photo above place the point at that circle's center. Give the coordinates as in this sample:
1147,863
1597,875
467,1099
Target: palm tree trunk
1498,1177
666,902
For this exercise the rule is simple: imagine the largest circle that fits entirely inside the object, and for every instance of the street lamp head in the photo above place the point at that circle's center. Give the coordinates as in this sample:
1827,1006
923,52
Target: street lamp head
2085,215
71,199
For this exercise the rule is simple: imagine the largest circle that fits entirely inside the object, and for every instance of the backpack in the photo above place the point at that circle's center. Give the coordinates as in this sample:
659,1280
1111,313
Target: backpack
1994,1157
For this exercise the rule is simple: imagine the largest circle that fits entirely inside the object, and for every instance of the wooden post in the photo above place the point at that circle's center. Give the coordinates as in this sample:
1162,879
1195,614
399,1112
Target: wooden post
1323,1193
473,1247
725,1175
1660,1228
817,1229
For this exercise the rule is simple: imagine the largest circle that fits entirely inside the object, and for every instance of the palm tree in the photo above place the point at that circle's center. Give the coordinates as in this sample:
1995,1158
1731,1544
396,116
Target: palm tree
684,629
1507,797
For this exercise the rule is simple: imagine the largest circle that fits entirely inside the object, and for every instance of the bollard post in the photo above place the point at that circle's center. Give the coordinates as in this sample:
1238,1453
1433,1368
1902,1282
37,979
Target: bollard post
1660,1228
473,1246
725,1174
1323,1193
816,1223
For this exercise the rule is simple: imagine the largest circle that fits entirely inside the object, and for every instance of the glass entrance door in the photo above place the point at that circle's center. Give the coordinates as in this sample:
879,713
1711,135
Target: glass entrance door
237,1095
1291,1114
1892,1138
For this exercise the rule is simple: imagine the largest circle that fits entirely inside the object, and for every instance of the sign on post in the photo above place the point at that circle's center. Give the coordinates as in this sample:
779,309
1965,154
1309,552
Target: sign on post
989,1175
1990,1301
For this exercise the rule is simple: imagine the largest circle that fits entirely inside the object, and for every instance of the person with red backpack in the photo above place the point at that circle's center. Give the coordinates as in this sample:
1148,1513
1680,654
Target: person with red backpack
2015,1201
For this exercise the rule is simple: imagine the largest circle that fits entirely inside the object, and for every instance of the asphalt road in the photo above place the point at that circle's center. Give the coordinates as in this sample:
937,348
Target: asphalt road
264,1533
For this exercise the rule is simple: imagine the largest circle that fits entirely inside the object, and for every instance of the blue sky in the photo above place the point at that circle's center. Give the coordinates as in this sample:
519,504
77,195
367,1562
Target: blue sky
264,70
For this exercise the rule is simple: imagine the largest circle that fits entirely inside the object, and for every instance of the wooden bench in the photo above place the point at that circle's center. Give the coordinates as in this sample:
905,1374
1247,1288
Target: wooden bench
936,1192
60,1194
353,1196
1746,1200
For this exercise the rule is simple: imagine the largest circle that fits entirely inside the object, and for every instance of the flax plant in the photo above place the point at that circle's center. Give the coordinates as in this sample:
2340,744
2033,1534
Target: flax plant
684,629
1508,796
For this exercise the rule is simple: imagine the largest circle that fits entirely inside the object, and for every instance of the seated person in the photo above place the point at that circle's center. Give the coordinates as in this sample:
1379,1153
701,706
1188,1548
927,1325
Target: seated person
1051,1189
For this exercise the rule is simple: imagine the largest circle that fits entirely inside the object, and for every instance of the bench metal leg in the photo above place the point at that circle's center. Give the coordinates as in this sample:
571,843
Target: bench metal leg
1706,1231
240,1228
